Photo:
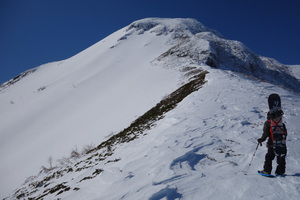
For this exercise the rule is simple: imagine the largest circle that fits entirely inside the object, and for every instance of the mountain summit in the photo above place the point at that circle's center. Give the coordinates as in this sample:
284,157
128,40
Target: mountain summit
177,28
202,45
162,108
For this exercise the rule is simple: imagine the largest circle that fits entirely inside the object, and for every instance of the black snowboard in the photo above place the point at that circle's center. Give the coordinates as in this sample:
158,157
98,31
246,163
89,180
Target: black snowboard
274,103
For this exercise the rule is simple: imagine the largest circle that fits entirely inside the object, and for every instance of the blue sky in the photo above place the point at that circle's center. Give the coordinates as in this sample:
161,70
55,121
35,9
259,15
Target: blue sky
35,32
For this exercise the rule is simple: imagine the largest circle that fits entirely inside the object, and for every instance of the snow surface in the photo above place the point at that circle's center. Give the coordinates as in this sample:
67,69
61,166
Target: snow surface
79,101
200,150
295,70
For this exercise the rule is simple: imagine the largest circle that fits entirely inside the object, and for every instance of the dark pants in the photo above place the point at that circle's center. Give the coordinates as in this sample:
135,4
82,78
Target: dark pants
280,162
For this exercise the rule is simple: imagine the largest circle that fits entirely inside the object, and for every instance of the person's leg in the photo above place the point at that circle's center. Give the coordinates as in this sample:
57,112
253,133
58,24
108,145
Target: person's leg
280,170
268,160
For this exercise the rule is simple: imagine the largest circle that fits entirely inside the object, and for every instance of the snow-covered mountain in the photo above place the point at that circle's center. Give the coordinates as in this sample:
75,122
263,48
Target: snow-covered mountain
163,108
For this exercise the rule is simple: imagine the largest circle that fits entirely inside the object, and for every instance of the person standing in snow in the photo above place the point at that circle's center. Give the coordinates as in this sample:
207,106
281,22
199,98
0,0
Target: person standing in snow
276,133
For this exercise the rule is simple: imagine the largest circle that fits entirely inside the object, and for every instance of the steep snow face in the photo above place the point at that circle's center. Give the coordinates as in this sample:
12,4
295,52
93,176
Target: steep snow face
80,100
101,90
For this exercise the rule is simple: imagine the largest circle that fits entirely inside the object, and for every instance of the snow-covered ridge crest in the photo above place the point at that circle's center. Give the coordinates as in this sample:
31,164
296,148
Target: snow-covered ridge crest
177,27
207,48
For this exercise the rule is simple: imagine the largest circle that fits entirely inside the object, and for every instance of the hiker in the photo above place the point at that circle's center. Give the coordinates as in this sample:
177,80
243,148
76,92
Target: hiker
276,133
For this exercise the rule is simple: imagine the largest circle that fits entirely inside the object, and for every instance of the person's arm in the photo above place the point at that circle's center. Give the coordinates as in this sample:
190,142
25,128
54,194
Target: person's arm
266,132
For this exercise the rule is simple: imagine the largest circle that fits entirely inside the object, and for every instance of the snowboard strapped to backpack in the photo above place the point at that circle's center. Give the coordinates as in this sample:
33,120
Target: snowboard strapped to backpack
277,128
274,102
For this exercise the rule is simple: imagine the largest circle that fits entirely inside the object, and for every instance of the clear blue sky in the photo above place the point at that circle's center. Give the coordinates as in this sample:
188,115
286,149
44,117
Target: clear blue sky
35,32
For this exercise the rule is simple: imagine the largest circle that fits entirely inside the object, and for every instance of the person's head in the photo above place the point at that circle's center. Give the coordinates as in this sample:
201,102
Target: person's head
276,114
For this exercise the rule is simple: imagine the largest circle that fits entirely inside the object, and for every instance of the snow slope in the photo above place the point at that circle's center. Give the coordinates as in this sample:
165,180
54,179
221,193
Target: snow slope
295,70
79,101
199,150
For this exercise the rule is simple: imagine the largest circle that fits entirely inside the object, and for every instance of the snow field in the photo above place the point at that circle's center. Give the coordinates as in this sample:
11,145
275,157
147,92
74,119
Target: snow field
201,149
79,101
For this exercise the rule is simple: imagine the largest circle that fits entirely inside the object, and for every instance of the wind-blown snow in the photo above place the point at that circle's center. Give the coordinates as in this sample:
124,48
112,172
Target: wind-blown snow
198,151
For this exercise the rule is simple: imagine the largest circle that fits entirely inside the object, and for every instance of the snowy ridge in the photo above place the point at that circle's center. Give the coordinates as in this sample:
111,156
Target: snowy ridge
197,150
16,79
177,28
206,48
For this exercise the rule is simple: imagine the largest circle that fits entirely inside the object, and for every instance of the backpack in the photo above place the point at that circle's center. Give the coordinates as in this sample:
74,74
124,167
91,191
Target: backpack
277,128
278,135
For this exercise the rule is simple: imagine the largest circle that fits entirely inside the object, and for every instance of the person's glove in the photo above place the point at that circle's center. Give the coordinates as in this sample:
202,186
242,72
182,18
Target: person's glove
259,140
